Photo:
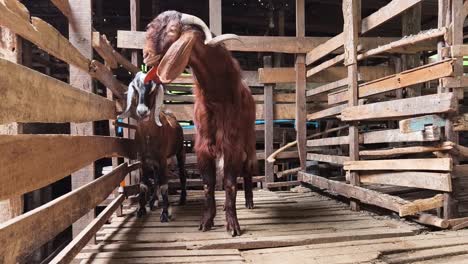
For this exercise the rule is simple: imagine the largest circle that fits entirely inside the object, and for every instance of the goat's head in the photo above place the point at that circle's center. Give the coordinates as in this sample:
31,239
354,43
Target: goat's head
169,41
150,95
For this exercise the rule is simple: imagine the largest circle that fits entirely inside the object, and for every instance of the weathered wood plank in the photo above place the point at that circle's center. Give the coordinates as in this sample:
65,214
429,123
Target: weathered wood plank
78,243
64,7
32,229
329,112
287,75
414,76
423,105
110,55
333,141
340,160
424,180
422,205
268,107
419,123
441,164
394,136
54,156
328,87
46,99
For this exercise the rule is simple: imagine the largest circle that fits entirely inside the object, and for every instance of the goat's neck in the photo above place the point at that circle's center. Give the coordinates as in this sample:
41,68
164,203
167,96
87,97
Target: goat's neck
217,75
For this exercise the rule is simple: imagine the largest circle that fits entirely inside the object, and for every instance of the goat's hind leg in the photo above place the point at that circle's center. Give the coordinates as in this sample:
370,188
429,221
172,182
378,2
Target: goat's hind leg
144,193
208,171
164,188
248,186
230,187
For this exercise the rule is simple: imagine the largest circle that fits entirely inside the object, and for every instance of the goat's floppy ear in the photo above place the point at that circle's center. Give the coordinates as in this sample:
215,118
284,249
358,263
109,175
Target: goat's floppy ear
176,58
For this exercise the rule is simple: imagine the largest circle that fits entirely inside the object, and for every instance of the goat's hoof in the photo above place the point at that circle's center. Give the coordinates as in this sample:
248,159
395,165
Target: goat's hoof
164,217
232,226
249,204
141,212
182,200
206,225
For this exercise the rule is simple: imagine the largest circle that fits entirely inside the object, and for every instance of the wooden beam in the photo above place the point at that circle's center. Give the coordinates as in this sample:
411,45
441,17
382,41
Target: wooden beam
419,123
328,87
422,205
269,126
340,160
301,86
325,65
55,156
287,75
404,151
32,229
364,195
215,17
47,100
333,141
442,164
423,105
424,180
67,254
414,76
394,136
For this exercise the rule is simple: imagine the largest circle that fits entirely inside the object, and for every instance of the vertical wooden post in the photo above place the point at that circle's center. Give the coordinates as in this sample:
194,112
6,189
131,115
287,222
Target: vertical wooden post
456,20
10,49
411,24
269,119
216,23
135,25
80,34
301,114
351,14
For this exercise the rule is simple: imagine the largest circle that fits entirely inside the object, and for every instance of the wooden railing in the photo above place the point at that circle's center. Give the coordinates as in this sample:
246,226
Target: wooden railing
30,162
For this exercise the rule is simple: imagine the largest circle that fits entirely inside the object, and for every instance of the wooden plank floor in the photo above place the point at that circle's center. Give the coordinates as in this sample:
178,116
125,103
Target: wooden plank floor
284,227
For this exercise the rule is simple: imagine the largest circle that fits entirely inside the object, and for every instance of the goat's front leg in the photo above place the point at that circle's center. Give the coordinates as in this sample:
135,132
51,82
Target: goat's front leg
164,188
182,176
208,172
145,184
230,188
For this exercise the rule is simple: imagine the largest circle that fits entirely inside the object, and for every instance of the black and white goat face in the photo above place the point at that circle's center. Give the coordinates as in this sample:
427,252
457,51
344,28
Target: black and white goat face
150,96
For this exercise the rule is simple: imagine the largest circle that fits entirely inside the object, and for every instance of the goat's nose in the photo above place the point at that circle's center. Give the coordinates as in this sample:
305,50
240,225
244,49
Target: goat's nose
142,110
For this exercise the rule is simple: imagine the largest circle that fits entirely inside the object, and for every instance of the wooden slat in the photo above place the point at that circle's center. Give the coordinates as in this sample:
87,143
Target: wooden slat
442,164
394,136
414,76
34,228
325,65
340,160
46,99
333,141
286,75
78,243
330,112
387,12
54,156
268,107
459,50
364,195
423,105
328,87
50,40
424,180
405,42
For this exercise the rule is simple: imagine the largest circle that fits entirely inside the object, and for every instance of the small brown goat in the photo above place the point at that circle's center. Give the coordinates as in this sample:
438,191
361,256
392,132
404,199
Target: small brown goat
224,106
158,137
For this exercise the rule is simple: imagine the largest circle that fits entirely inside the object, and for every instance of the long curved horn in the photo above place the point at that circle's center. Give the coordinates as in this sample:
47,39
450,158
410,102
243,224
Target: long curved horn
130,92
158,104
187,19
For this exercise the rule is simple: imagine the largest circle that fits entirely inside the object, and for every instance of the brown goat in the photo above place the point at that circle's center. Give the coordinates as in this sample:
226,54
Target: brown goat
224,107
158,137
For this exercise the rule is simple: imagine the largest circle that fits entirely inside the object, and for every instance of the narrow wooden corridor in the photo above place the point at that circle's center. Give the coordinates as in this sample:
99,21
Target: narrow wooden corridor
285,227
